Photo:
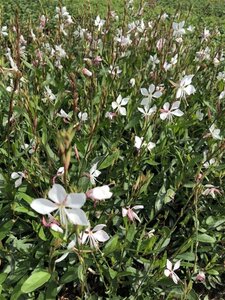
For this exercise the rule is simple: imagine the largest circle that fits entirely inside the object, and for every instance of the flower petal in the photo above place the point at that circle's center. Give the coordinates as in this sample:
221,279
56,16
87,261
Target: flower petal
75,200
77,216
124,101
122,111
177,265
167,273
177,113
124,212
57,193
144,92
101,236
43,206
163,115
169,265
98,227
175,105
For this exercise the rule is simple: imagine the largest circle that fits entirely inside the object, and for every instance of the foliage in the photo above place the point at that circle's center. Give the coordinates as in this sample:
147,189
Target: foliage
127,114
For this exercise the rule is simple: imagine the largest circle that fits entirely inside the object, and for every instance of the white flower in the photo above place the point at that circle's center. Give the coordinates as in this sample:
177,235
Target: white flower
154,60
221,76
139,143
222,95
132,82
114,70
30,147
211,190
59,51
94,173
209,163
69,248
190,28
168,112
60,171
169,271
147,111
67,205
4,31
185,87
94,236
19,177
149,95
99,22
199,115
49,94
118,105
99,193
63,115
83,116
178,29
205,35
129,212
215,133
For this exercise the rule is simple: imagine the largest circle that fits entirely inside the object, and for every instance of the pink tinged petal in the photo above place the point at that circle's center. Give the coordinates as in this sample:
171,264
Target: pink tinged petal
122,111
175,105
56,228
144,92
57,193
166,106
177,265
169,265
137,207
164,115
167,273
175,278
77,216
157,94
124,212
177,113
124,101
98,227
101,236
43,206
114,105
190,90
75,200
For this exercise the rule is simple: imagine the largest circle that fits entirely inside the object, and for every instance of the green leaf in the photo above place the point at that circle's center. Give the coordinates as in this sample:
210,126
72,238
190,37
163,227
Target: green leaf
5,229
36,280
112,273
205,238
131,233
111,245
188,256
110,160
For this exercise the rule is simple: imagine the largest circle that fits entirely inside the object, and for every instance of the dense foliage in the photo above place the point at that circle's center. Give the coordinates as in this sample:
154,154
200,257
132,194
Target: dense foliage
112,156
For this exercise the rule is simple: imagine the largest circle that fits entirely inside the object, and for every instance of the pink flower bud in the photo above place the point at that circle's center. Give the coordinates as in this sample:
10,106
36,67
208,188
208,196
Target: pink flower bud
201,276
86,72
